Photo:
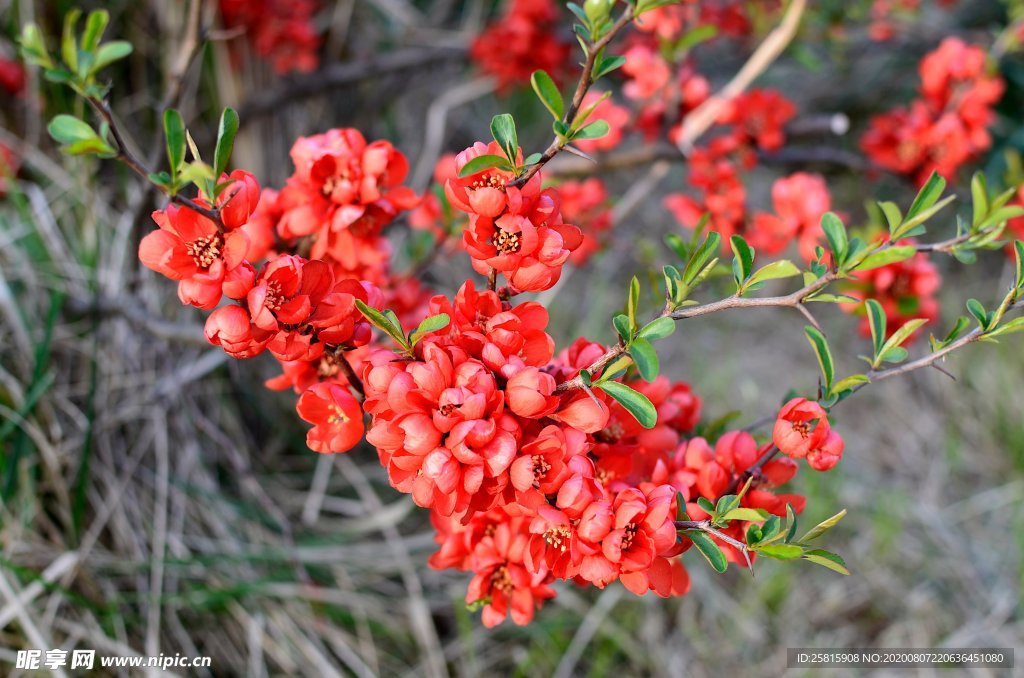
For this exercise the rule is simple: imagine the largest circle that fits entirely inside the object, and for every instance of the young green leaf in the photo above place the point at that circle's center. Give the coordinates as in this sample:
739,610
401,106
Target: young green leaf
95,24
978,311
174,130
108,53
68,43
876,321
547,92
826,559
632,302
709,549
896,354
607,65
900,336
594,130
33,46
635,403
67,129
835,233
430,324
784,268
849,382
822,527
743,260
503,129
481,163
893,217
889,255
820,346
646,359
385,322
1018,255
748,514
620,321
700,257
226,131
927,196
979,198
659,328
780,551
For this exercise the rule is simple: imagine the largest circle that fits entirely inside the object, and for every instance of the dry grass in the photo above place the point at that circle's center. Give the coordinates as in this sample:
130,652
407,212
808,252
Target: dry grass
157,499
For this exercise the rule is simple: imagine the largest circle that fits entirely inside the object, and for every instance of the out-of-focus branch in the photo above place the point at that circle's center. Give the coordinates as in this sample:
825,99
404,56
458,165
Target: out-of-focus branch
342,74
701,119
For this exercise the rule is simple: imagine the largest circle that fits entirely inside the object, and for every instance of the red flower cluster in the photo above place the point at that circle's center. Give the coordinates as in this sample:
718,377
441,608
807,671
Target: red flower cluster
799,201
947,125
905,289
802,431
586,203
281,31
12,76
754,121
517,231
522,41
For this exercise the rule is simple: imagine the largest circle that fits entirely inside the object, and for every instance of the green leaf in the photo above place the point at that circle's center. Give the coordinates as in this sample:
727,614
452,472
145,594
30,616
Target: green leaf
673,281
900,336
109,52
646,359
849,382
94,146
709,549
876,321
481,163
820,346
892,215
607,65
780,551
226,131
620,321
835,233
430,324
532,159
822,527
33,47
68,43
1018,254
896,354
826,559
1015,325
743,261
95,24
67,129
784,268
961,324
632,302
384,322
174,130
912,226
659,328
547,92
635,403
503,129
979,198
978,311
884,257
790,522
927,196
616,369
749,514
594,130
700,257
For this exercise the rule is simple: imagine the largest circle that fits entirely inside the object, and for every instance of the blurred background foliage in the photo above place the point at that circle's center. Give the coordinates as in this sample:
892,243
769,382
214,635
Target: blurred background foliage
156,498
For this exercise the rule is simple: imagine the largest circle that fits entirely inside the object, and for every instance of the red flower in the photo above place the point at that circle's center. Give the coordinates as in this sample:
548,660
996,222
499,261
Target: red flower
239,200
585,203
521,41
828,454
905,289
616,116
188,247
231,328
799,201
280,30
336,417
802,426
12,76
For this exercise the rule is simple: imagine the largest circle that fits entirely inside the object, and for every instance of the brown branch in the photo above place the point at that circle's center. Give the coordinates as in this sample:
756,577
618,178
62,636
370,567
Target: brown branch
594,49
133,163
350,374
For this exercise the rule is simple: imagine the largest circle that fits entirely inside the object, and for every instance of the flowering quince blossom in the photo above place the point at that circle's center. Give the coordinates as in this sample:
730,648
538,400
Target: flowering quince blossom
586,203
948,125
522,41
281,31
189,248
516,231
802,430
336,416
799,201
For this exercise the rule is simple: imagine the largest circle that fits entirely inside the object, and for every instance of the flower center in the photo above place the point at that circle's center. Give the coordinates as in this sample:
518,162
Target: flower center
558,537
803,428
447,409
502,580
274,297
629,534
206,250
505,242
540,469
336,416
328,366
491,181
